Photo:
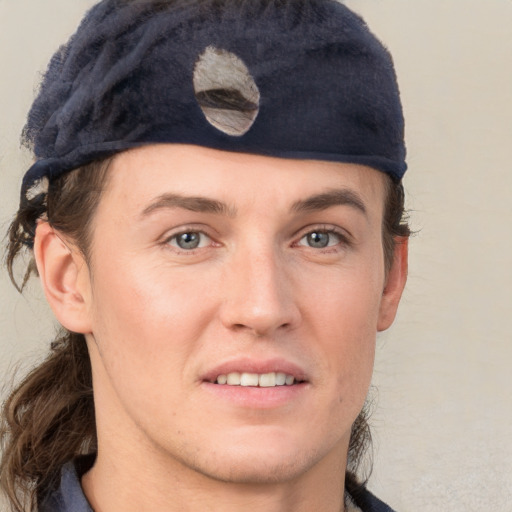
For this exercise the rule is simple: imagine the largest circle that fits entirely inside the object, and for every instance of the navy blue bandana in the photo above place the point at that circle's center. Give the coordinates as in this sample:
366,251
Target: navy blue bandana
287,78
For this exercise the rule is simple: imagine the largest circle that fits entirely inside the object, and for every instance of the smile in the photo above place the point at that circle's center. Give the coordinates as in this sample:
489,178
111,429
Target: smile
262,380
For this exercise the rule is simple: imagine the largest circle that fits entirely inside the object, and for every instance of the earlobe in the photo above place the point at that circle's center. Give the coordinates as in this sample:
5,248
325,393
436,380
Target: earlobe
61,269
395,283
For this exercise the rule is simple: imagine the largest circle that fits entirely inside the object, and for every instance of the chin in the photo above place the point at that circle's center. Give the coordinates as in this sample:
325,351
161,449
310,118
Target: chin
266,461
257,470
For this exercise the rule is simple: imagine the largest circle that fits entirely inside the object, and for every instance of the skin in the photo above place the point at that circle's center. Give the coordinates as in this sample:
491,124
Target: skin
159,318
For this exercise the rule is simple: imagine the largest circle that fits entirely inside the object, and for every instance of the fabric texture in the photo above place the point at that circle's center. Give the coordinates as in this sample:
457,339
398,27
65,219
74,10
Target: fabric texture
367,502
327,87
69,497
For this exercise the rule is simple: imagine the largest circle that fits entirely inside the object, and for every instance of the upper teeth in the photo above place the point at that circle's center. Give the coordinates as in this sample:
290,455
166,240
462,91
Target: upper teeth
264,380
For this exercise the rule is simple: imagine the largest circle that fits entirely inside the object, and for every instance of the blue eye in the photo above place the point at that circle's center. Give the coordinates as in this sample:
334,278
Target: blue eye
189,240
321,239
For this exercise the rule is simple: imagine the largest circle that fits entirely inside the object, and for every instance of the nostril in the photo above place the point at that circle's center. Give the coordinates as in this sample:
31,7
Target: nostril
258,297
260,331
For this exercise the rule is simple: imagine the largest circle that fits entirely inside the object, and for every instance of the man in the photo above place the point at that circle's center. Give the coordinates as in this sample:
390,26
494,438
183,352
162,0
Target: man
221,238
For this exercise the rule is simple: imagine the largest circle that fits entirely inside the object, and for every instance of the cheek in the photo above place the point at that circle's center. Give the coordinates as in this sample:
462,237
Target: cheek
344,312
145,325
342,320
141,297
346,299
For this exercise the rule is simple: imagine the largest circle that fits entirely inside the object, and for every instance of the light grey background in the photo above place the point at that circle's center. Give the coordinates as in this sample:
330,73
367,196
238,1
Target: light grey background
442,427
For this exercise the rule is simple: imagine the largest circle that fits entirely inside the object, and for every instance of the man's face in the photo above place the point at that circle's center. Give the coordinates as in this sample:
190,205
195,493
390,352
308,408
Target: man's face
209,266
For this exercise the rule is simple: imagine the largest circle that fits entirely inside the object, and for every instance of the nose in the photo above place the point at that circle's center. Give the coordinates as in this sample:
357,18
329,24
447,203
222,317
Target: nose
259,294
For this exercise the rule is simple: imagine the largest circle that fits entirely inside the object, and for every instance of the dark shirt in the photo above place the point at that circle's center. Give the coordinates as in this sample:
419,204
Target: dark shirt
69,497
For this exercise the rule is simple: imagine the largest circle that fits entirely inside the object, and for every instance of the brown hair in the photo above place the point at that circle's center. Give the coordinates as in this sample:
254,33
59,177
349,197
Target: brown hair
49,418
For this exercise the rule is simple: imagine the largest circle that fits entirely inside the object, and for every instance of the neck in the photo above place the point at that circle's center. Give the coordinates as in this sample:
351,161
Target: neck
128,481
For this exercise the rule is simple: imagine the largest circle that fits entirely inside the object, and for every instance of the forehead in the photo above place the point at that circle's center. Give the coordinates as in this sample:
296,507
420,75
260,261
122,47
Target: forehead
138,176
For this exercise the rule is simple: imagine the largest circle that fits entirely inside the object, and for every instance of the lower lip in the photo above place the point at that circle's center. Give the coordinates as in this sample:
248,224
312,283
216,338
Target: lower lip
256,397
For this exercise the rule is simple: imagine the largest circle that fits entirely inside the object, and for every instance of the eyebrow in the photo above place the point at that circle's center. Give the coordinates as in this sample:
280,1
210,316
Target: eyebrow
191,203
329,199
199,204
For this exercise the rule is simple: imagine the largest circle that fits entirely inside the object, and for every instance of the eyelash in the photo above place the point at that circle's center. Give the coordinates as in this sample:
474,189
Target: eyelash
343,240
167,241
342,237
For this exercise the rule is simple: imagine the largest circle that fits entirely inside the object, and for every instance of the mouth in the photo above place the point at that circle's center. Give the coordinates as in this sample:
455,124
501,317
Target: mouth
252,383
261,380
254,373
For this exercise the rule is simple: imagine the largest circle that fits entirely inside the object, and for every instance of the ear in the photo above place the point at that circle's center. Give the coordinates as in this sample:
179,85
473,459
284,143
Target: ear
65,278
395,283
